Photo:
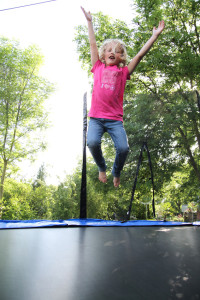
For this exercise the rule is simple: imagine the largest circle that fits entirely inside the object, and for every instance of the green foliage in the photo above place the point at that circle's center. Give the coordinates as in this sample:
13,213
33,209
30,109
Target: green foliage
22,96
22,202
41,176
164,210
16,204
67,197
161,104
160,108
41,201
174,61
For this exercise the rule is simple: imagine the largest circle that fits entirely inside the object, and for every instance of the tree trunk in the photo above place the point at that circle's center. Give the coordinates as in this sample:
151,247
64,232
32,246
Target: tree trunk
196,130
198,100
189,152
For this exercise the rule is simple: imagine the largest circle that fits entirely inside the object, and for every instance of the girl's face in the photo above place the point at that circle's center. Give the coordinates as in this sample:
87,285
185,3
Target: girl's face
113,54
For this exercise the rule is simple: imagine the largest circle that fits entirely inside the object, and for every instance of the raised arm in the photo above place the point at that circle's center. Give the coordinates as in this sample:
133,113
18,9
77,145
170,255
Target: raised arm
135,61
92,39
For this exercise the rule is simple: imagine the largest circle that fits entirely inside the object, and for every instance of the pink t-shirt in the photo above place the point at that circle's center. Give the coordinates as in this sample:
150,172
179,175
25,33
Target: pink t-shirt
108,91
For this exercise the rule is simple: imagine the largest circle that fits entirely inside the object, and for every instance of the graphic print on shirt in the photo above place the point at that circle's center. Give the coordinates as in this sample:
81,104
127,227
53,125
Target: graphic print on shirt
109,79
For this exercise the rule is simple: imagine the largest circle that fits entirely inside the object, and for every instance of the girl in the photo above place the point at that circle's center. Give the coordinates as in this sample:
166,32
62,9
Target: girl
106,112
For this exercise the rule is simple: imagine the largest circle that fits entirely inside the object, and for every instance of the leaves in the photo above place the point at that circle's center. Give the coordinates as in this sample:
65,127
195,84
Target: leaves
160,108
22,96
160,105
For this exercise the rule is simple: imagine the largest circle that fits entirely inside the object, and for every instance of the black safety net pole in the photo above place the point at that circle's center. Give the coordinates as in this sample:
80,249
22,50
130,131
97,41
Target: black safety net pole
135,182
144,146
83,198
152,179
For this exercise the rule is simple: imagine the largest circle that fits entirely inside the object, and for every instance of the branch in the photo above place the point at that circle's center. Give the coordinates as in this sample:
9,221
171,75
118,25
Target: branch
192,160
191,41
198,99
6,131
148,87
18,111
196,31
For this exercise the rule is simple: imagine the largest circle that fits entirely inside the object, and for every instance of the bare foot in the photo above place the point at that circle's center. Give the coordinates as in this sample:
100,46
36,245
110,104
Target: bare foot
102,177
116,181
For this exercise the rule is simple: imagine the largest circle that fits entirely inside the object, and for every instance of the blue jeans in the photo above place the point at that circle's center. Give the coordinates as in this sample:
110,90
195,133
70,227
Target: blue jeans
96,129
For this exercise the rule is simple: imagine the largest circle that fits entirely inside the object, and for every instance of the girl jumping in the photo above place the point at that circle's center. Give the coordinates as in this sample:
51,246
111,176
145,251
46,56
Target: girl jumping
106,112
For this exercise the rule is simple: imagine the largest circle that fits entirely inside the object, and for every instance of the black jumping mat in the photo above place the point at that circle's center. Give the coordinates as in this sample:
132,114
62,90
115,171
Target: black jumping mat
100,263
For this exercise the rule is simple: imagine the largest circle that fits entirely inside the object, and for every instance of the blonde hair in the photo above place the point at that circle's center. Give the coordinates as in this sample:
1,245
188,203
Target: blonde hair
118,43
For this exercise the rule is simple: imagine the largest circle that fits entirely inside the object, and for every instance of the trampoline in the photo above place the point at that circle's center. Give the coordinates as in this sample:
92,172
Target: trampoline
96,259
91,259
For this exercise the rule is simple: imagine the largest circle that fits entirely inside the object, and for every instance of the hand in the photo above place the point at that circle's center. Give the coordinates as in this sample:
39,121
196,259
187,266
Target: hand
87,14
161,26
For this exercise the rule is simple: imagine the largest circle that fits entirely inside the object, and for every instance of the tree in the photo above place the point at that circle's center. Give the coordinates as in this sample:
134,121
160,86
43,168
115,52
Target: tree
162,103
22,95
16,202
23,200
170,72
67,197
42,201
41,176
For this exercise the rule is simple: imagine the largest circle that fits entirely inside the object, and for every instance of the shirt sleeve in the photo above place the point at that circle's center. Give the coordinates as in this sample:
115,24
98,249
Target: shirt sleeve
126,73
96,65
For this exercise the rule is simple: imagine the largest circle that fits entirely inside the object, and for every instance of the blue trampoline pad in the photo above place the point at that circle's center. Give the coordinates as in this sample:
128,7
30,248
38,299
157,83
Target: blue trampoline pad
8,224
